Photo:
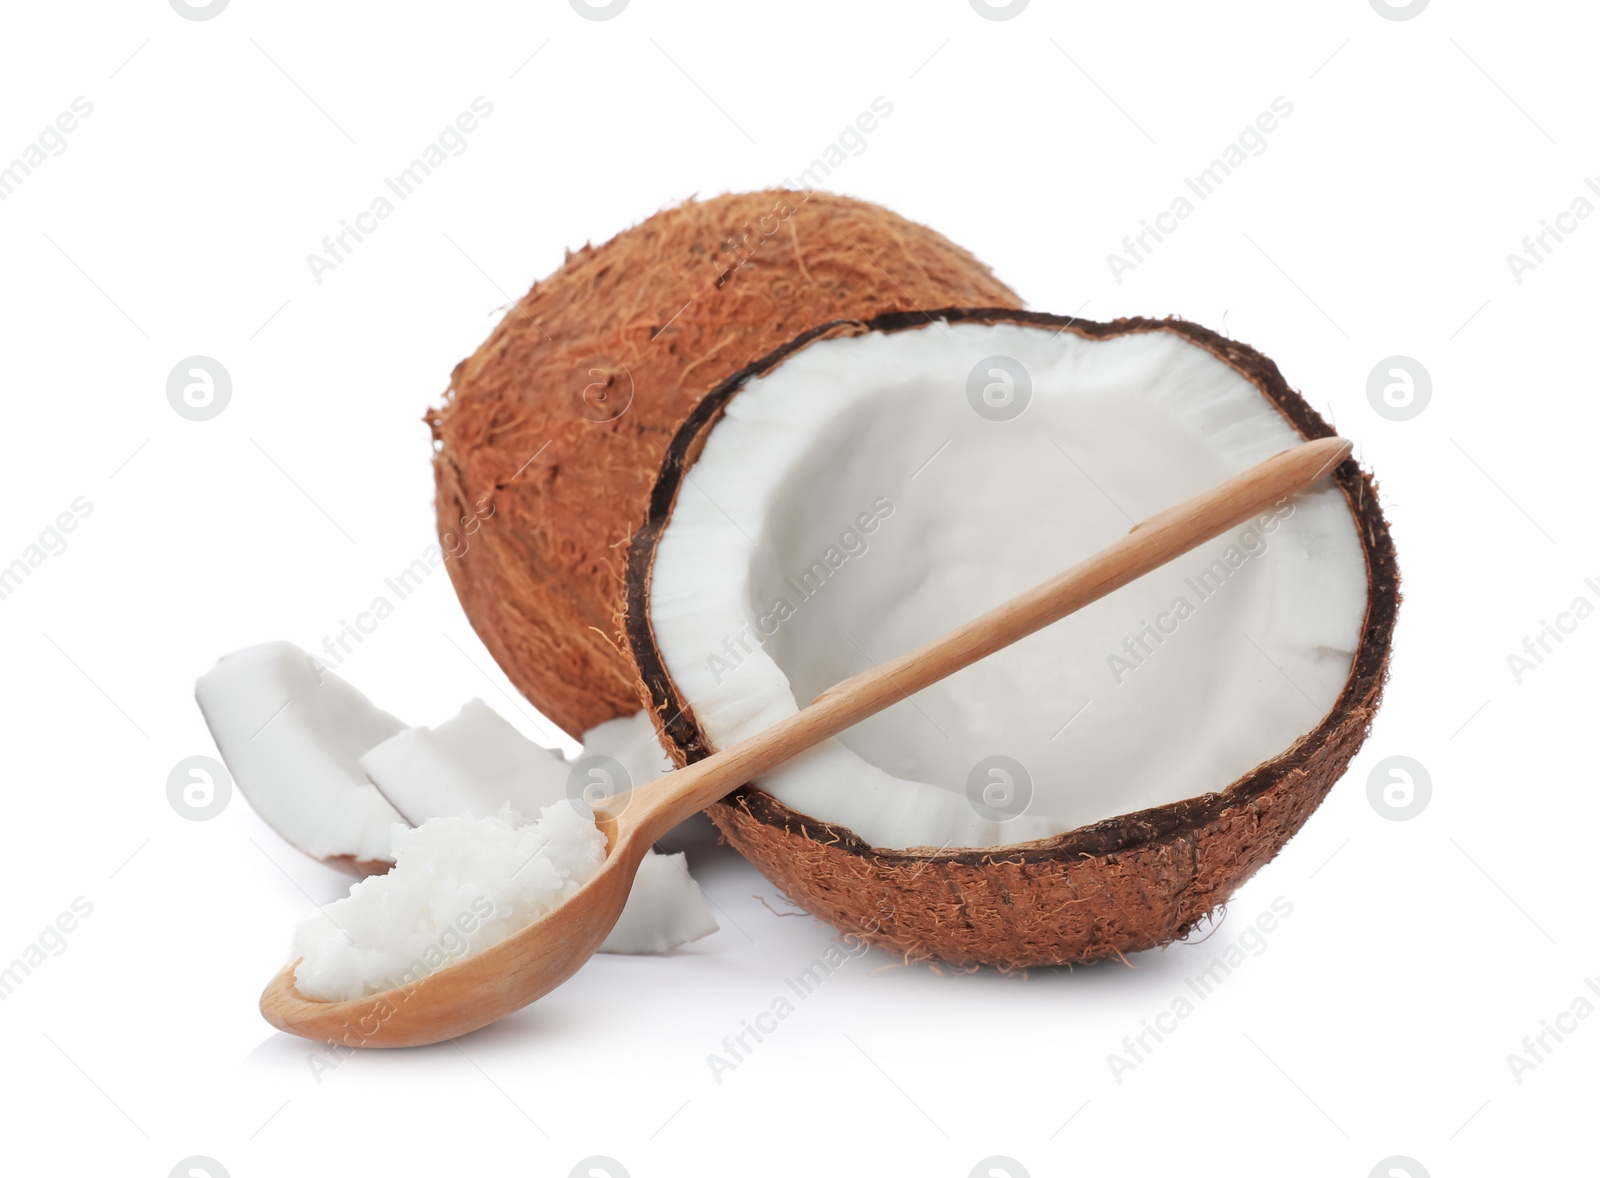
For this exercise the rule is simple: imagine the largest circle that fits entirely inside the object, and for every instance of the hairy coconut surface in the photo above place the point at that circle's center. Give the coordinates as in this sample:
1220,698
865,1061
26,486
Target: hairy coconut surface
552,433
1124,881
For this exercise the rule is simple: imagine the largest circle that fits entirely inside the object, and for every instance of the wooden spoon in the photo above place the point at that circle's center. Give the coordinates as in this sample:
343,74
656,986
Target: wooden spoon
529,964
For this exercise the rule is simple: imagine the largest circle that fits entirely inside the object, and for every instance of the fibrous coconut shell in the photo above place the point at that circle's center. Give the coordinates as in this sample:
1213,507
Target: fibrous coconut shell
1130,882
552,433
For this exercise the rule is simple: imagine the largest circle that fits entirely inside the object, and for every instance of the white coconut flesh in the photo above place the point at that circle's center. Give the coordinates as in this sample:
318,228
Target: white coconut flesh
476,766
462,884
629,741
306,749
475,763
853,503
292,734
458,886
469,766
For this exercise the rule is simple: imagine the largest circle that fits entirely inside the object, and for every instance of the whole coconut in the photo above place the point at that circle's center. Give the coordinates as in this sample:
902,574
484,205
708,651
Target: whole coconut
553,432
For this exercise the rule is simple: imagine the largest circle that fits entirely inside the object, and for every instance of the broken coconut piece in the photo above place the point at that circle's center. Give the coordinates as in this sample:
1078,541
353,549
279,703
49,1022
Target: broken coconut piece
1094,790
291,733
298,740
665,909
458,886
605,357
631,741
476,764
469,766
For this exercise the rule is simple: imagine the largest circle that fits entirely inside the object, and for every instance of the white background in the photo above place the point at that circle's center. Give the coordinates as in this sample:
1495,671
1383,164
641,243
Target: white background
177,222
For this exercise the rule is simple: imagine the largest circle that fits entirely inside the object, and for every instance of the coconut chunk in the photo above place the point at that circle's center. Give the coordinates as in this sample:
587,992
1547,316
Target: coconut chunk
476,764
292,734
306,750
665,909
469,766
633,743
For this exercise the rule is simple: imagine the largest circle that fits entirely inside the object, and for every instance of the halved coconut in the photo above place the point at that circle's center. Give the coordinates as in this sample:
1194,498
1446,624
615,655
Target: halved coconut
1093,790
552,431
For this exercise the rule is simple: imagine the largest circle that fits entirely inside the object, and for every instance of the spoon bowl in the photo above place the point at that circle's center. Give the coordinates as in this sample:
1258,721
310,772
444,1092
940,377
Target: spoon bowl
479,989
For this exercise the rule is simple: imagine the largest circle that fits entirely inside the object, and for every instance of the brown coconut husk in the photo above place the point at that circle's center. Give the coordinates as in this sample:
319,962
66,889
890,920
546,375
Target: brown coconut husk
350,865
552,432
1131,882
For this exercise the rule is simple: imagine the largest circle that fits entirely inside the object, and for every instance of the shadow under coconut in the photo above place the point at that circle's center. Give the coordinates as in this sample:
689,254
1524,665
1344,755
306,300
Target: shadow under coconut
1160,968
548,1022
740,895
754,916
696,836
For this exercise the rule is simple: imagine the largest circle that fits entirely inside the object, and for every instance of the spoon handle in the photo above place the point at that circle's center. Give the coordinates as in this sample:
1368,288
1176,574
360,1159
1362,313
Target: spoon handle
655,808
